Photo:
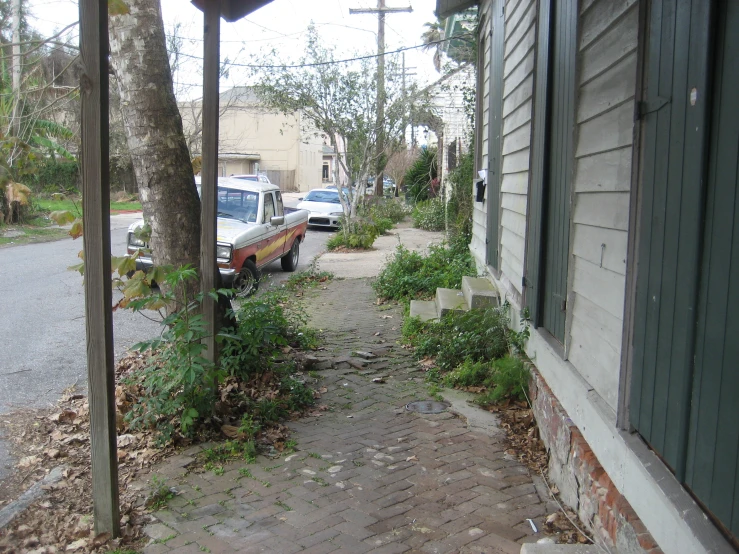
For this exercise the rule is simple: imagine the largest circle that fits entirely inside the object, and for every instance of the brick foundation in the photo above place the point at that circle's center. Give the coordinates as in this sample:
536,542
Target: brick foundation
583,483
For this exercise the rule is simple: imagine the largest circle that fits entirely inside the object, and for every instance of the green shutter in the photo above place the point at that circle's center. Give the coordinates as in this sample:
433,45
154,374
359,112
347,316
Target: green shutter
670,225
495,131
540,143
713,452
554,120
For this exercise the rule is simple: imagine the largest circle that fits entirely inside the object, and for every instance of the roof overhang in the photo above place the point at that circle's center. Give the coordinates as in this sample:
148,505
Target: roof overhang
445,8
233,10
237,156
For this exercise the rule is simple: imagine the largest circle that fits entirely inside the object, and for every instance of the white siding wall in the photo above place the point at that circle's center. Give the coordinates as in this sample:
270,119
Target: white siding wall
601,183
479,217
518,71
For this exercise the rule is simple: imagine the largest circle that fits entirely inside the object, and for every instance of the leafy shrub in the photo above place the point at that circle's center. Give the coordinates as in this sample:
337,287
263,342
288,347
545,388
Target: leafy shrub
459,207
179,381
264,326
419,178
468,374
509,379
410,275
429,215
503,378
359,232
56,176
179,387
474,336
385,208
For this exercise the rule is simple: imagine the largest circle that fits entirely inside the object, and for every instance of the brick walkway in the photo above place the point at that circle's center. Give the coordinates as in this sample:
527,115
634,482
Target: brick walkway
368,476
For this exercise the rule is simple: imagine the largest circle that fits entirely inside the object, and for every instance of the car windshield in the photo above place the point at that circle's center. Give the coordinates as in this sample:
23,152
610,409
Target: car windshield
245,177
238,204
329,196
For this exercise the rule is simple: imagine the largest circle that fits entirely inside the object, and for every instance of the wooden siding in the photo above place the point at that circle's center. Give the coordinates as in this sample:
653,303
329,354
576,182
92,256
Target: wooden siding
601,190
518,86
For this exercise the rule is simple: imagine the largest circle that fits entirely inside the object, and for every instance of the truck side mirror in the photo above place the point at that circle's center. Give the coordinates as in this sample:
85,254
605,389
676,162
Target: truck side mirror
277,220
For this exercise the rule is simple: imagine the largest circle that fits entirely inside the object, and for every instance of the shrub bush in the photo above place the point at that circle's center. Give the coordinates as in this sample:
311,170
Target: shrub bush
429,215
56,176
359,232
419,178
459,207
410,275
474,336
386,208
179,388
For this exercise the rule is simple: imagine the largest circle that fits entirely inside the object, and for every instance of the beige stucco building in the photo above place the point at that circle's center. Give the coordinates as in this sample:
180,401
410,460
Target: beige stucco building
253,139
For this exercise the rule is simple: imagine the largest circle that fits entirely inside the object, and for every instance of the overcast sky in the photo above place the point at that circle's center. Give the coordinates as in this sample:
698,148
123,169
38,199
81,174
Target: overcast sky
280,25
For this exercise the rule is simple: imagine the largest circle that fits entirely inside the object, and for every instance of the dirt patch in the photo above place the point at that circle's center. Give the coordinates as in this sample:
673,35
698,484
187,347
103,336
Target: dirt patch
45,439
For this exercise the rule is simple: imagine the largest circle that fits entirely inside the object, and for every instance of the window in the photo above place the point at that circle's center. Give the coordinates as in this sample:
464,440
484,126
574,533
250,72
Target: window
325,172
269,207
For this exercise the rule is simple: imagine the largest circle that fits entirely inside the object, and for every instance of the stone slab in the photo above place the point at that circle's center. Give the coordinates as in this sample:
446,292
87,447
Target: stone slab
448,300
479,293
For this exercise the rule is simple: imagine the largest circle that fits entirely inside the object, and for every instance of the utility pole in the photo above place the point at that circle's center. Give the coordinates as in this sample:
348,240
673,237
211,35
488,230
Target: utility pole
405,74
381,10
16,14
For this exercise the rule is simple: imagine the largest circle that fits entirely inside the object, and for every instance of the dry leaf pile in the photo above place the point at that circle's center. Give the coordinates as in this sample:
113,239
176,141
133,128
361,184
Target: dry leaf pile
61,520
522,434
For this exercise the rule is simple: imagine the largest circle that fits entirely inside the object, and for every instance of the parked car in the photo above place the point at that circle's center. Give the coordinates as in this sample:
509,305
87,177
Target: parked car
324,207
260,177
254,229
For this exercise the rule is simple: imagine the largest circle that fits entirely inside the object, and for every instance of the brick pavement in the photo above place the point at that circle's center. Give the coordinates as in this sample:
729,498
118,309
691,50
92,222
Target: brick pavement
367,476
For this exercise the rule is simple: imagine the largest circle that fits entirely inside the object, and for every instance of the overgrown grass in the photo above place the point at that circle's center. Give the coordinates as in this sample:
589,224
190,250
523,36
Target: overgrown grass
359,232
474,336
411,275
180,393
74,205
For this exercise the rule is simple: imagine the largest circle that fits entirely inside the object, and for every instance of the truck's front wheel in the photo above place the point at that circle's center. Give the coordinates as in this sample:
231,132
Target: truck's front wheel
290,260
247,281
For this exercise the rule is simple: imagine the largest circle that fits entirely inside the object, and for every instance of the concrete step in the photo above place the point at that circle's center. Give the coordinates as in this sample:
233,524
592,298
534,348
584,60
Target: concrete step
424,309
448,300
479,293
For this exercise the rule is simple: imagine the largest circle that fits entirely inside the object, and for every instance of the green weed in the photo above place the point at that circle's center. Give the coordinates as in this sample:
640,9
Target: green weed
161,494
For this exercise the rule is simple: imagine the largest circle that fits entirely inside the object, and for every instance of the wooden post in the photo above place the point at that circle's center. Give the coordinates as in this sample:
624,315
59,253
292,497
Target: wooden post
98,287
209,183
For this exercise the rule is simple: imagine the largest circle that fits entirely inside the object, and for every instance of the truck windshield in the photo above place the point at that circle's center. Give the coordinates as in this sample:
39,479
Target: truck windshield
238,204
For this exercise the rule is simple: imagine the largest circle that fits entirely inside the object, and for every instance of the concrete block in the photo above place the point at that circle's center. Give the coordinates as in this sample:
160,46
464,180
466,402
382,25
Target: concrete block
479,293
424,309
449,299
552,548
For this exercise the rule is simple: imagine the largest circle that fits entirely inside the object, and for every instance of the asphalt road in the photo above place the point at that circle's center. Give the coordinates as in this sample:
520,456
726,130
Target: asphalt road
42,318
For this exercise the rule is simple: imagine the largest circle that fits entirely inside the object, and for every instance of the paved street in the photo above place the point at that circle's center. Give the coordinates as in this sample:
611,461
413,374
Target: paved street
43,323
368,475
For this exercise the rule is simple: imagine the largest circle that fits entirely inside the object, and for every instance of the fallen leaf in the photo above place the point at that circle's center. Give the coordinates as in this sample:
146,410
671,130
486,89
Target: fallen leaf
411,459
28,461
387,316
126,440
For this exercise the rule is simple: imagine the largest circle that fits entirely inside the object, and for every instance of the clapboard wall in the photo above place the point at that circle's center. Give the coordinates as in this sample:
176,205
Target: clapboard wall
601,187
518,71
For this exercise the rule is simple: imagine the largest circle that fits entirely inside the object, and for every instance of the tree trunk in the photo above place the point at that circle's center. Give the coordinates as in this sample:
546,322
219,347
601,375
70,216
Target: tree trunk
154,134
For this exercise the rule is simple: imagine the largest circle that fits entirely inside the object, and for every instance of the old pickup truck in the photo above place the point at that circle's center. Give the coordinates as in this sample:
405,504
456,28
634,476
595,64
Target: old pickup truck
254,229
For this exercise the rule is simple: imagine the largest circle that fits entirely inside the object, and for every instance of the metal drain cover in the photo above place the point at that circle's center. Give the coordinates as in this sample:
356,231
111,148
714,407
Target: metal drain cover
427,407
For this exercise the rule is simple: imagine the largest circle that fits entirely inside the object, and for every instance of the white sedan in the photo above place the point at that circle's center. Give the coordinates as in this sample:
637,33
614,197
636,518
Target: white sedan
324,207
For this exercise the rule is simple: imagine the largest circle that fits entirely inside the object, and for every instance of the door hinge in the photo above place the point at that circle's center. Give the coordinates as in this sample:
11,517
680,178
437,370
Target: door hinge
524,282
487,240
644,108
564,305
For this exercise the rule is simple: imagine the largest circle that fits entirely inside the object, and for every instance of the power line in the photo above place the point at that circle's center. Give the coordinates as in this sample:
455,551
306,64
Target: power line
333,62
